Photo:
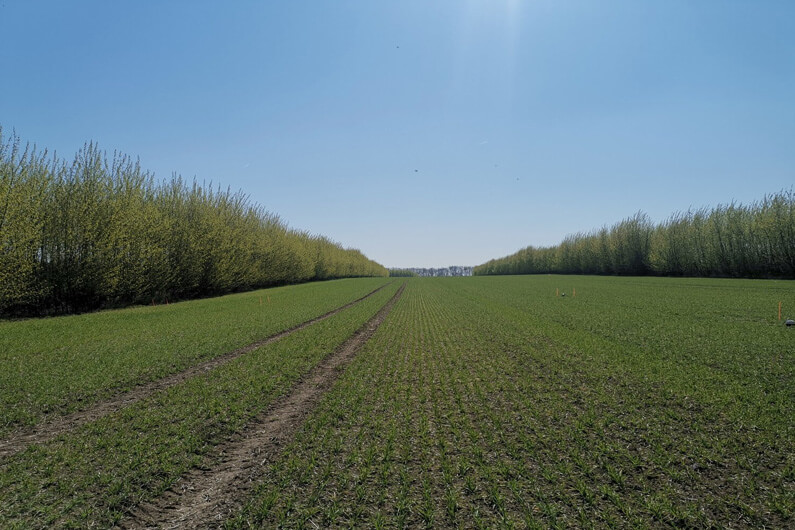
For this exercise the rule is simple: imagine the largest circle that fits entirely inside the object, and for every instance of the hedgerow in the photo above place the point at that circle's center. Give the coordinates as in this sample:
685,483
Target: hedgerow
102,231
735,240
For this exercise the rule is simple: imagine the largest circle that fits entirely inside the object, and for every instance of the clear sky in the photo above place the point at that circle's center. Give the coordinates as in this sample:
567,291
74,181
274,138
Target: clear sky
424,133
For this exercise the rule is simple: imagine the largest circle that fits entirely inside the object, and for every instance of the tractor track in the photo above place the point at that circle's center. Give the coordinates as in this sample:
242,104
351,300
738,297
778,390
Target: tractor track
18,441
204,497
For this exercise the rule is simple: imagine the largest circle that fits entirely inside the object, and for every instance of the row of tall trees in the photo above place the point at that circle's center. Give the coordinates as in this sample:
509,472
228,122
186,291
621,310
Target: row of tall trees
101,231
402,273
742,241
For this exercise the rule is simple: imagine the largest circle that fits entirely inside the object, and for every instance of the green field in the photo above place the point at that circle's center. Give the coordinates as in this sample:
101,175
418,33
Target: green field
478,403
58,365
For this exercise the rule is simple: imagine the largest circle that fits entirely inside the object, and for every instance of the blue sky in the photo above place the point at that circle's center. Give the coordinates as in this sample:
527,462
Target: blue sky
425,133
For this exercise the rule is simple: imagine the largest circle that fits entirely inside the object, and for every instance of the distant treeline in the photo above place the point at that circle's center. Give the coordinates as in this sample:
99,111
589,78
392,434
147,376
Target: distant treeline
753,241
402,273
444,271
100,231
453,270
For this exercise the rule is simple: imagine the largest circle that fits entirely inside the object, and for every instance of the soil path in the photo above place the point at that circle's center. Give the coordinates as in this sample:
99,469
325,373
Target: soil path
48,430
205,497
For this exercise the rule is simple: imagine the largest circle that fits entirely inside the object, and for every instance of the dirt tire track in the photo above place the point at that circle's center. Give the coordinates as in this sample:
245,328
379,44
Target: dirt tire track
48,430
205,497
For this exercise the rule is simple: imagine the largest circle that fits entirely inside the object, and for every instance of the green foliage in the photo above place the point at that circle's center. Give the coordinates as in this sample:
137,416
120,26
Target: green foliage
101,231
754,241
24,184
402,273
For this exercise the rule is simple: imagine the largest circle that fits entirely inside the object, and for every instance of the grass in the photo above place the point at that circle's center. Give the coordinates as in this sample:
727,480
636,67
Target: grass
492,403
719,340
94,475
483,402
58,365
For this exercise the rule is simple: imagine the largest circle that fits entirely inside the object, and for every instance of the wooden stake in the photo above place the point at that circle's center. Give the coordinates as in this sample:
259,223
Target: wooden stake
556,292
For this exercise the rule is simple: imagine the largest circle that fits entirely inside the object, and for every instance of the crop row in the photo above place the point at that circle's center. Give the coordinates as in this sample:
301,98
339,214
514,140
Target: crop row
491,402
718,340
58,365
96,474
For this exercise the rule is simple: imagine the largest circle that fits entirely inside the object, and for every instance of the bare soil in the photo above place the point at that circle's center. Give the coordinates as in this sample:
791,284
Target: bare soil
205,497
49,429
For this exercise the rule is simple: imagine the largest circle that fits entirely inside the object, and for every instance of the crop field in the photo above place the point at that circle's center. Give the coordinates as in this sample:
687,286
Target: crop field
63,364
485,402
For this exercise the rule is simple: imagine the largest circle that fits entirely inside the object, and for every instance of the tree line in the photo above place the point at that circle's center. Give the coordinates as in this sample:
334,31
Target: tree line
735,240
100,231
402,273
